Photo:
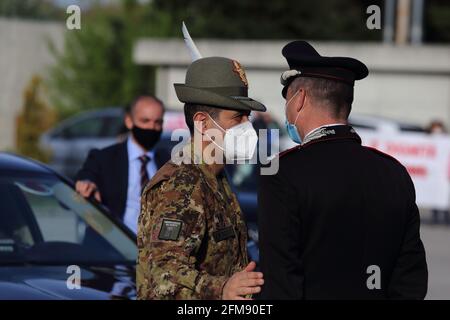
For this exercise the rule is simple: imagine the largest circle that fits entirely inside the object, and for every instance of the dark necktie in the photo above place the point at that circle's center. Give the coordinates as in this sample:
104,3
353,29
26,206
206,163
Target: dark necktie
144,174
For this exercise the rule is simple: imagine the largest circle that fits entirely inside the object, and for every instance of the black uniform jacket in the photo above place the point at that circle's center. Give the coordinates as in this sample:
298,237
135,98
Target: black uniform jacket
339,221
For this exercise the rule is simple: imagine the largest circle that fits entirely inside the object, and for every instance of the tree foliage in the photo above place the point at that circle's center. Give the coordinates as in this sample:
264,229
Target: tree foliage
437,21
35,118
95,68
267,19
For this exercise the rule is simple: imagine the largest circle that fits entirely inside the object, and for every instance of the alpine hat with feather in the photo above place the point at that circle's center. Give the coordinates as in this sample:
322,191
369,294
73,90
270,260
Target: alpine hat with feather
215,81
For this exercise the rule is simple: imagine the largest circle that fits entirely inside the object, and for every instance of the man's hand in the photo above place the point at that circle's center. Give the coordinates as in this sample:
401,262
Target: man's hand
243,283
86,188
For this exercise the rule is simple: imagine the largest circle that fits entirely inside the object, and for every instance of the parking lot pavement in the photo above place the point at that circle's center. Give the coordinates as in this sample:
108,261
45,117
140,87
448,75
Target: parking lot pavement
437,245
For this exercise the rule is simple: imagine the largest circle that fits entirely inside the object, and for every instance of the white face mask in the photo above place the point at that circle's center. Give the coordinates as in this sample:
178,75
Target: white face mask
239,142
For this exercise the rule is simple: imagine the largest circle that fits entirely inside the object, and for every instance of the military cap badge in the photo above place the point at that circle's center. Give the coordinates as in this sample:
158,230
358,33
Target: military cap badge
237,68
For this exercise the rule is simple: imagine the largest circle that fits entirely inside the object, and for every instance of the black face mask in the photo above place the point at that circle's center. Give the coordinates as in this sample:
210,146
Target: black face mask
147,138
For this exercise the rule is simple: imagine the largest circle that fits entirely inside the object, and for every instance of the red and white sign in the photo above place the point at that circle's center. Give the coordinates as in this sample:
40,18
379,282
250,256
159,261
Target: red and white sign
427,159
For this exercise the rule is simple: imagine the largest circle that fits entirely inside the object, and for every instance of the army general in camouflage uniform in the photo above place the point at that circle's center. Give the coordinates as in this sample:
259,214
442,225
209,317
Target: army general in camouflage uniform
191,234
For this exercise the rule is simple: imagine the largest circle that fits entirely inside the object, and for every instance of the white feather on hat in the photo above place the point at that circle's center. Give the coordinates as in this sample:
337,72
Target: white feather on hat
193,50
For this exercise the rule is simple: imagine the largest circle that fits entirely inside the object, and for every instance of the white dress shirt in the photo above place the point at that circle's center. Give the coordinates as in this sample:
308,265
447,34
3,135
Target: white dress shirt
133,203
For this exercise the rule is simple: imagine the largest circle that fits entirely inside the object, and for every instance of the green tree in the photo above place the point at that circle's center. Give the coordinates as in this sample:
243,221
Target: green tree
437,21
95,68
35,118
334,20
268,19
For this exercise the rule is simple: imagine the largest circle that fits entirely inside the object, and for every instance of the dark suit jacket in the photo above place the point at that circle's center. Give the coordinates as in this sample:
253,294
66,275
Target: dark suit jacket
108,169
334,209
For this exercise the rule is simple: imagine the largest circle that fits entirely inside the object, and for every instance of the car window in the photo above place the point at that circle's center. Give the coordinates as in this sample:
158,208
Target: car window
87,128
45,221
113,126
411,128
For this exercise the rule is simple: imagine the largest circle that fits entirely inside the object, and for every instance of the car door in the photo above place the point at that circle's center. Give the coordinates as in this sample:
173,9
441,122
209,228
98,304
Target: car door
77,139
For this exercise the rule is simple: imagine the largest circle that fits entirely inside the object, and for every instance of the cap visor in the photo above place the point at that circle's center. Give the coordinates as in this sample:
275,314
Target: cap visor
188,94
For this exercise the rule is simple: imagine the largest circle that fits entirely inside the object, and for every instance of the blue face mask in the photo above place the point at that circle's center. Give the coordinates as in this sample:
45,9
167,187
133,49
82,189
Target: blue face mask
291,128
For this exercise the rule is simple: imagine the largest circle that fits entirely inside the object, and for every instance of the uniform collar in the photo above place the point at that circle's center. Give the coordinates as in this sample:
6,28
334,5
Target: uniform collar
314,131
331,132
191,155
135,151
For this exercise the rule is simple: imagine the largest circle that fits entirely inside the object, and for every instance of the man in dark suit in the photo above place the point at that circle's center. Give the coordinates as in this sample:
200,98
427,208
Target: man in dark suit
338,220
117,174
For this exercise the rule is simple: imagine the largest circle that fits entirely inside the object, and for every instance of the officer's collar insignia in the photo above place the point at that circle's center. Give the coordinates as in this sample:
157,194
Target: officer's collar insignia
237,68
338,131
319,133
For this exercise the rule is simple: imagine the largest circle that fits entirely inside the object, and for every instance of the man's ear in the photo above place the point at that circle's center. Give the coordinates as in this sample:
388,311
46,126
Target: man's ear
128,121
301,99
200,119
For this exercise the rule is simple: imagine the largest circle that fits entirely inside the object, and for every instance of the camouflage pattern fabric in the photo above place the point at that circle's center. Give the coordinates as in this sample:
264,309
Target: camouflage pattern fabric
191,234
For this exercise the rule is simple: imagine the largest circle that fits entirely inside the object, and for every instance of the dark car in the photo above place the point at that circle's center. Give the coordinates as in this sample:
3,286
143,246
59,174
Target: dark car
54,244
69,142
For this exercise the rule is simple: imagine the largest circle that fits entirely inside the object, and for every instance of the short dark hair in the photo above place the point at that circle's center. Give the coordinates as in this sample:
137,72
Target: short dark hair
336,96
190,109
129,108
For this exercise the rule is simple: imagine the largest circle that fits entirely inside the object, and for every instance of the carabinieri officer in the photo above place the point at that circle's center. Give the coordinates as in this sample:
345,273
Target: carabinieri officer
338,220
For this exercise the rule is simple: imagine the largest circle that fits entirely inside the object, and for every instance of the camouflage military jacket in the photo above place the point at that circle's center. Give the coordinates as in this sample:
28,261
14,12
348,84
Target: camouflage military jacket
191,234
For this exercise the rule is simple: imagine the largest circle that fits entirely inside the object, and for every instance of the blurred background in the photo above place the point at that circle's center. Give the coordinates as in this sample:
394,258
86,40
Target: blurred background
62,91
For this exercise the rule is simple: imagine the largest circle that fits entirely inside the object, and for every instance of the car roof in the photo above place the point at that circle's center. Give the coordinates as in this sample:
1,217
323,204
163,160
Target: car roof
173,119
376,120
12,162
107,111
382,122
